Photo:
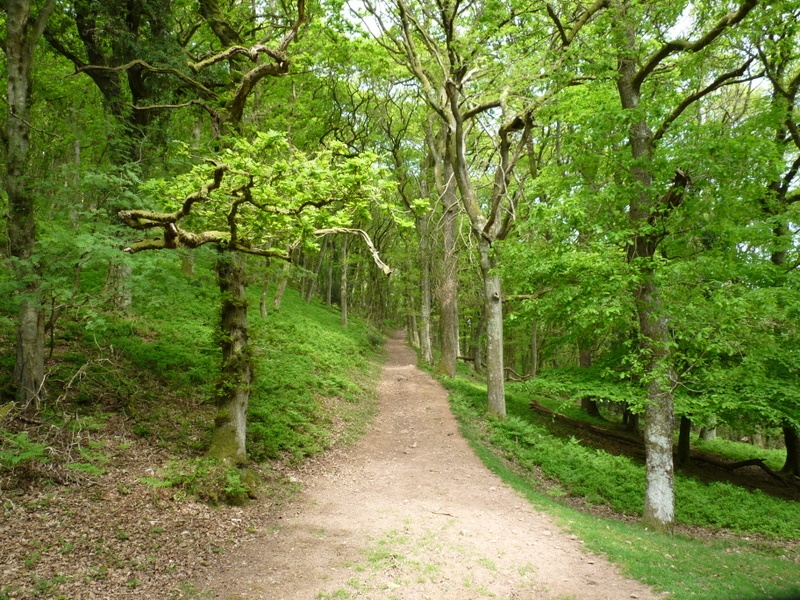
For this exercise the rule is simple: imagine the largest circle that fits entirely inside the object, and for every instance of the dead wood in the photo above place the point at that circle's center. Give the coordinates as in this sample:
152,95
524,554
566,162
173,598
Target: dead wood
695,455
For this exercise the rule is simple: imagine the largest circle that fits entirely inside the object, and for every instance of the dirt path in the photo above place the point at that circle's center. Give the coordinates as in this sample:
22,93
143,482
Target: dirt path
411,513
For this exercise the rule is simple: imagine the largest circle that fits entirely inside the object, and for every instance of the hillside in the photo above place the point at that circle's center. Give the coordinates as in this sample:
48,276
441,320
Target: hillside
105,492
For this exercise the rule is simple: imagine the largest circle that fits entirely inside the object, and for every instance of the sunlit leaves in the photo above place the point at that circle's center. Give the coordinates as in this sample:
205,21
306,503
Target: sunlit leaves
275,195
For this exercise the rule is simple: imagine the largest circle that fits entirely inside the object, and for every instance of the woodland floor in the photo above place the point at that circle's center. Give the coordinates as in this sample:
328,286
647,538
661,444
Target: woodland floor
408,512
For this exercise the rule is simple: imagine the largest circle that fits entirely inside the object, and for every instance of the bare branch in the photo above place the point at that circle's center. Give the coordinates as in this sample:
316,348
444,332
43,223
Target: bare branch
374,251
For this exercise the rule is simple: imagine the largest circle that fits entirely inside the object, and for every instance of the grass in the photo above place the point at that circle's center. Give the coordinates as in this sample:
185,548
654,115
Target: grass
303,360
762,562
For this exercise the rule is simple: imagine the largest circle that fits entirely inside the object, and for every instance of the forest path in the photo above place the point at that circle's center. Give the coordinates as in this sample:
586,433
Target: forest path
410,512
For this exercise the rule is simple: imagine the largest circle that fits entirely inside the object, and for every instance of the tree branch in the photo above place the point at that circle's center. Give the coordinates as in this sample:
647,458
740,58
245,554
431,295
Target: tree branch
41,22
585,18
145,219
680,45
365,236
561,33
237,104
165,71
476,110
724,79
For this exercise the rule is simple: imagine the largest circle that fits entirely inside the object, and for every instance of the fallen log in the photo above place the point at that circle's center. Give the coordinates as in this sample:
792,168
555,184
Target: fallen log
604,431
696,455
728,466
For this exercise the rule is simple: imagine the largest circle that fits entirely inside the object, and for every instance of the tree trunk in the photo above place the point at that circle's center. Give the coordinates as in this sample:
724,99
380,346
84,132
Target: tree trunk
493,298
262,303
588,404
118,285
425,291
684,440
280,289
22,35
659,502
343,283
533,367
29,368
312,287
709,432
792,465
478,361
233,390
413,331
329,291
448,289
187,262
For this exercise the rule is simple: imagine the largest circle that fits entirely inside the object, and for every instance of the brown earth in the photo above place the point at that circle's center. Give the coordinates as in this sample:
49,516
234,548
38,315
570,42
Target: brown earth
411,513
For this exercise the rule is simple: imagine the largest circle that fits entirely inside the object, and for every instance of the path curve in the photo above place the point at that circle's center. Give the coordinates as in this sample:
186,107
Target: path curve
411,513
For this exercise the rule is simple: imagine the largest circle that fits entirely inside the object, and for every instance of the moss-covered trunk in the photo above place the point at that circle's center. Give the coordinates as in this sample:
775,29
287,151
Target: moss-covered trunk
233,390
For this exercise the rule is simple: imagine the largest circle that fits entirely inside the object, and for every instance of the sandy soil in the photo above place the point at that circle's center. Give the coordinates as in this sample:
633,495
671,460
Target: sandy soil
411,513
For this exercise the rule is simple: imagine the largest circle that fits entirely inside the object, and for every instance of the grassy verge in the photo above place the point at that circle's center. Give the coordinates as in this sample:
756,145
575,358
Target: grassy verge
763,561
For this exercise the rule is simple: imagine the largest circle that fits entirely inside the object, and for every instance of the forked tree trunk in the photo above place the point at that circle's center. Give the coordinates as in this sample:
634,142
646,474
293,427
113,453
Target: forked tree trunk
493,299
233,389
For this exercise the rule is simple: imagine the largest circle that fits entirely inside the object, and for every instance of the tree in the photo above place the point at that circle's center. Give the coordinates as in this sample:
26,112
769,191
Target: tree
263,198
648,207
778,53
23,31
448,48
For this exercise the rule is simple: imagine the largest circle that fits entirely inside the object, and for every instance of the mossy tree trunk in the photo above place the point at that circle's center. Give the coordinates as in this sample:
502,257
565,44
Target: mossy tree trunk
23,31
233,390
